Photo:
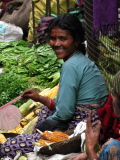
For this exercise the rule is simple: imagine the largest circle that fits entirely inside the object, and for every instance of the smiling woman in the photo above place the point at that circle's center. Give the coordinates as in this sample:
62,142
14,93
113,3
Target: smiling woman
82,87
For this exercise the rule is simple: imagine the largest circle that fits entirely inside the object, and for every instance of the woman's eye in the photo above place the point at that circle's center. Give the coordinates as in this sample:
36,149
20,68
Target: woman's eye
62,38
52,38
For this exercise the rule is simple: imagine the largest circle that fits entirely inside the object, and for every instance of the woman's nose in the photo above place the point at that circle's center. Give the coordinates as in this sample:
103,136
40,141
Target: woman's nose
57,43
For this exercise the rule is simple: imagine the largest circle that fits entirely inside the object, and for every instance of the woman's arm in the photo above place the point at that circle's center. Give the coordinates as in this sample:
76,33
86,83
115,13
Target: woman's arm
67,94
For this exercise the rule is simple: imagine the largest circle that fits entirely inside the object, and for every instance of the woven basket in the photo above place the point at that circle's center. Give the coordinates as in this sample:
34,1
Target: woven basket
71,145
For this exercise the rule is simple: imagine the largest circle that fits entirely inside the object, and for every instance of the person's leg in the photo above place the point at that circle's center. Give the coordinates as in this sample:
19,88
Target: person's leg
52,125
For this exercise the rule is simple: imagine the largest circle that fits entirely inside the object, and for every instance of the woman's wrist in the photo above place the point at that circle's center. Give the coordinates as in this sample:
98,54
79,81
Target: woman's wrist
50,103
44,100
92,154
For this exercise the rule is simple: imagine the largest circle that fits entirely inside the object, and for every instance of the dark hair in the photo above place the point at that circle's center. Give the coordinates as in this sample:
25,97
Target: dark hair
73,25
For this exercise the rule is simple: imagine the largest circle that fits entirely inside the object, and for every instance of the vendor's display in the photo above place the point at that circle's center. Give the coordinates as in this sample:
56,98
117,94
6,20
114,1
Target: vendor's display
49,143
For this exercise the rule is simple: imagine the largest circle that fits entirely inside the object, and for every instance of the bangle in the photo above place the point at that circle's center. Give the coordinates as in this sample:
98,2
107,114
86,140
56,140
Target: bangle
52,104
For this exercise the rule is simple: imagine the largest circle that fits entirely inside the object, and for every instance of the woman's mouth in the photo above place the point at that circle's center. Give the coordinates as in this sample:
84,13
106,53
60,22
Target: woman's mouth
58,50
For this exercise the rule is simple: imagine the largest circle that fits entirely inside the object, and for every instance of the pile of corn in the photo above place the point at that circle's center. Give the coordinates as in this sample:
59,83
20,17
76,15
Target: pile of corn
49,137
29,112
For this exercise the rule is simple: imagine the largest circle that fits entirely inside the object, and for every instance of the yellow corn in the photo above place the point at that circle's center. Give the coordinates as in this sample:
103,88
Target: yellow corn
16,130
30,126
29,116
2,139
43,142
44,92
23,123
52,92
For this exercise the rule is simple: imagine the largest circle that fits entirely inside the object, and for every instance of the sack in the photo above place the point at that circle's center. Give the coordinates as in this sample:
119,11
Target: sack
10,32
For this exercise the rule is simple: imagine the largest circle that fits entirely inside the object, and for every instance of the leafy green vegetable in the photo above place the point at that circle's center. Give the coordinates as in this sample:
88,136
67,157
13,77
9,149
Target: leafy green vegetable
11,86
27,67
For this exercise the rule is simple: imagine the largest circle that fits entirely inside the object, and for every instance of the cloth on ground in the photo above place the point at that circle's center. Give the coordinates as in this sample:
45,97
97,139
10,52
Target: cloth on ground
21,143
105,17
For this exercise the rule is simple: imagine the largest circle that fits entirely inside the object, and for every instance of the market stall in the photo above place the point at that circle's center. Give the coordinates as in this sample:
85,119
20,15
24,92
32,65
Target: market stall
25,67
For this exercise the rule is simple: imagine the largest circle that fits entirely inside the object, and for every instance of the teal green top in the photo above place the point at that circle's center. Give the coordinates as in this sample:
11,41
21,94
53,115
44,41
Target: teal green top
81,83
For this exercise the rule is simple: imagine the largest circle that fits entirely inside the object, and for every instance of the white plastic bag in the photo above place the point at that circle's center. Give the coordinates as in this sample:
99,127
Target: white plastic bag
10,32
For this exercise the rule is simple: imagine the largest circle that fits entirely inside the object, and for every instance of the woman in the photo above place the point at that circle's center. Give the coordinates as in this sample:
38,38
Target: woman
111,148
82,87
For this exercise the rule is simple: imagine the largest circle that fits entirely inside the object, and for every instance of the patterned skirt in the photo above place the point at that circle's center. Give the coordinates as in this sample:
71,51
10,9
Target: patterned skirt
81,114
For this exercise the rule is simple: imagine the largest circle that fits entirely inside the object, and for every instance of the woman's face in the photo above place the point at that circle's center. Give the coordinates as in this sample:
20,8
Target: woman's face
62,43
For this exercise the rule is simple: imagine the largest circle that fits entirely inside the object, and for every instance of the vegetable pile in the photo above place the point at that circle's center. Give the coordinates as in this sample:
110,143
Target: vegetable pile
26,67
109,59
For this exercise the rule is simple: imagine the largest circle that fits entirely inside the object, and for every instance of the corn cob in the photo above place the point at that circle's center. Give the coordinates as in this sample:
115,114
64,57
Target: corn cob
29,127
23,123
35,104
24,109
44,92
48,135
29,116
2,139
52,93
61,134
16,130
43,142
38,104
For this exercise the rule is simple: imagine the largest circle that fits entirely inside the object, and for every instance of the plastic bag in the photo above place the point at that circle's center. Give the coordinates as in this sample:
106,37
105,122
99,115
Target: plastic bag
10,32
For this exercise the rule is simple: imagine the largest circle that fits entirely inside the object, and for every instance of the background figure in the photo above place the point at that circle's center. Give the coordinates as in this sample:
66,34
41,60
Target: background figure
3,6
111,149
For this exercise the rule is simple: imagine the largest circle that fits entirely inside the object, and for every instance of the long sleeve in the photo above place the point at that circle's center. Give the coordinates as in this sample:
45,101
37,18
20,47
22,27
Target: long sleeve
67,95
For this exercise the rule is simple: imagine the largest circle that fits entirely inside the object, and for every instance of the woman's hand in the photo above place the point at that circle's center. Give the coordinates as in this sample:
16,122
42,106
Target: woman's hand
30,93
92,135
81,156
